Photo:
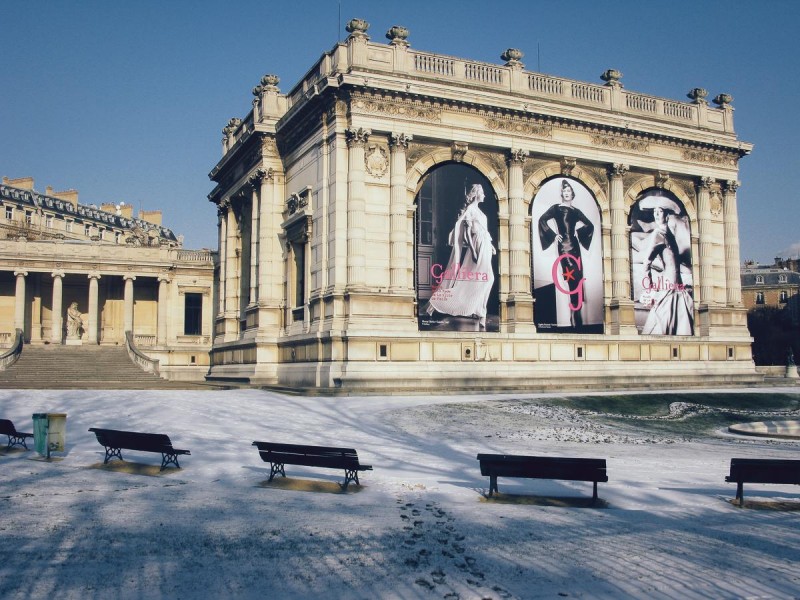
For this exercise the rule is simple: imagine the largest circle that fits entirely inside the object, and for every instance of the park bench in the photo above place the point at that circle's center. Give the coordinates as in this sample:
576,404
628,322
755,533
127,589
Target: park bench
762,470
279,455
15,438
114,441
542,467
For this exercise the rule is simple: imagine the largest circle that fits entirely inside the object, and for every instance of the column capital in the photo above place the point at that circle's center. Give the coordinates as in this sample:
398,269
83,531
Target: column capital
705,182
164,278
94,275
617,170
18,272
732,185
58,274
400,140
129,277
517,156
357,137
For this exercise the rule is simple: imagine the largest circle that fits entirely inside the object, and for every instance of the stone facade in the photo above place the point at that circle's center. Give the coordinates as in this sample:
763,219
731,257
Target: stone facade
124,274
777,285
334,204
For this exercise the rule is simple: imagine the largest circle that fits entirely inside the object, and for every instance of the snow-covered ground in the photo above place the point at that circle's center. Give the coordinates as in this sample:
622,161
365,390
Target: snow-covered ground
418,527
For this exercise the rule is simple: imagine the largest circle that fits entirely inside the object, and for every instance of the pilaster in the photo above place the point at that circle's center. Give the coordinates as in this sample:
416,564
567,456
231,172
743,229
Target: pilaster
398,242
356,205
623,320
519,314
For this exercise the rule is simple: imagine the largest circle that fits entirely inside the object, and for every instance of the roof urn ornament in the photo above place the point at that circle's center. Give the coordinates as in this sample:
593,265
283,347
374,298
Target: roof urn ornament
699,95
513,57
357,28
723,100
398,35
612,77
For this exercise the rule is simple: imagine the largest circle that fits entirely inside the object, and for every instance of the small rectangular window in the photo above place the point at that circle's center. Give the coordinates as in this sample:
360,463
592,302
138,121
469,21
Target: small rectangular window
48,221
193,314
68,226
9,213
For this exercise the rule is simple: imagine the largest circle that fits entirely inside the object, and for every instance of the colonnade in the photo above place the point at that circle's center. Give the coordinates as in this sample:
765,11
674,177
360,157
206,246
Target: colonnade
92,322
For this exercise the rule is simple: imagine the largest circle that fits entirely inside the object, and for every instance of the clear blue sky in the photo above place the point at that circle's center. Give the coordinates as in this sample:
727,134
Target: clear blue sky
125,101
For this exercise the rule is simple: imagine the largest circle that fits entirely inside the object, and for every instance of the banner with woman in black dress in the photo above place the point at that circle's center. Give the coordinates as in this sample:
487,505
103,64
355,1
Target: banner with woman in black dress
567,258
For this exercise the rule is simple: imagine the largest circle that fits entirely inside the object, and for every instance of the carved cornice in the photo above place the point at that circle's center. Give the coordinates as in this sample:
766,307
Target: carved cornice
619,142
711,158
519,126
398,108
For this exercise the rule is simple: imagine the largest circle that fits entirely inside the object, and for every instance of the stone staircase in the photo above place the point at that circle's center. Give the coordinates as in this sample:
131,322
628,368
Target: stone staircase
81,367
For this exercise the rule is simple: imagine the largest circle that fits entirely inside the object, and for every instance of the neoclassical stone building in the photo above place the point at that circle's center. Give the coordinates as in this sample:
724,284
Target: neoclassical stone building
124,274
402,220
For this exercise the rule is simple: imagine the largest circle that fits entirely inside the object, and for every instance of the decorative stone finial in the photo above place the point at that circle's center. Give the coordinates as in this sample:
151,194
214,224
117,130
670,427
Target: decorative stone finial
723,100
698,95
232,125
513,57
397,35
357,28
612,77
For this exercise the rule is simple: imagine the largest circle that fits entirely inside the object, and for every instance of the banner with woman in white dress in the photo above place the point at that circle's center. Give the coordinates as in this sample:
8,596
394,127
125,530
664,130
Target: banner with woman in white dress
457,223
661,265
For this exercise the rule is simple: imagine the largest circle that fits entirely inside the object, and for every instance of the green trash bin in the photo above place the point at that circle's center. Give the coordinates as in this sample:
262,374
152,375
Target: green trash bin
49,432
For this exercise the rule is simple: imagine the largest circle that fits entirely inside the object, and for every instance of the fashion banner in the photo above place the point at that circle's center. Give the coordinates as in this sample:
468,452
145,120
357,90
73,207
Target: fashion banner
457,284
567,258
661,265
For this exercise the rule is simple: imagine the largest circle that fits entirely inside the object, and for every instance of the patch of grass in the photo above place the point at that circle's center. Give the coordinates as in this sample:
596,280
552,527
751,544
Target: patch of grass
658,404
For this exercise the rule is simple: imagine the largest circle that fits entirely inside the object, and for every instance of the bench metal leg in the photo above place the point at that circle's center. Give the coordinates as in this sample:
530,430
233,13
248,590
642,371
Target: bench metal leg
169,459
594,494
16,440
350,475
111,453
274,469
740,492
493,485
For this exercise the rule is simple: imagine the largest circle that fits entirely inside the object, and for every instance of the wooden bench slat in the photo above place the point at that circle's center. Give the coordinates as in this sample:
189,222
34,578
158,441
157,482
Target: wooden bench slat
115,440
281,454
542,467
762,470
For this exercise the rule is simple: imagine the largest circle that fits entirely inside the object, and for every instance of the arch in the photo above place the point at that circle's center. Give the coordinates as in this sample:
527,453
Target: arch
586,177
649,181
416,173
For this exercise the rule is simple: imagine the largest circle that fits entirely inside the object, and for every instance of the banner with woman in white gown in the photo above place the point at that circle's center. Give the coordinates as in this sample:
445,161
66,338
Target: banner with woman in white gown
457,286
661,265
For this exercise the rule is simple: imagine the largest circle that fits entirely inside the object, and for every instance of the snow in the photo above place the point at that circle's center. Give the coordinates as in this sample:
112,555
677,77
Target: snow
418,527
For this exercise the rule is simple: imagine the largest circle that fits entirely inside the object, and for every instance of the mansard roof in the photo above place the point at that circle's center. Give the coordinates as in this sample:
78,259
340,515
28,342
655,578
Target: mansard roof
81,212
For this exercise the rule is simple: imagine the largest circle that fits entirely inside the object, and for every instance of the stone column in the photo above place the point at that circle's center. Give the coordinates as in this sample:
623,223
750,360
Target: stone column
356,205
706,245
19,300
623,318
94,317
255,182
161,332
58,300
620,253
222,220
398,242
231,278
733,280
128,303
519,246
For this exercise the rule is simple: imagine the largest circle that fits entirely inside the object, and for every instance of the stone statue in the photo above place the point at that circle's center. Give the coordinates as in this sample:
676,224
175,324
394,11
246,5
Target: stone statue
74,322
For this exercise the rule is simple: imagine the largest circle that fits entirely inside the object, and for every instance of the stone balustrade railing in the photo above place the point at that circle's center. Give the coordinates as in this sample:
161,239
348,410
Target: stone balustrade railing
150,365
400,61
10,356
